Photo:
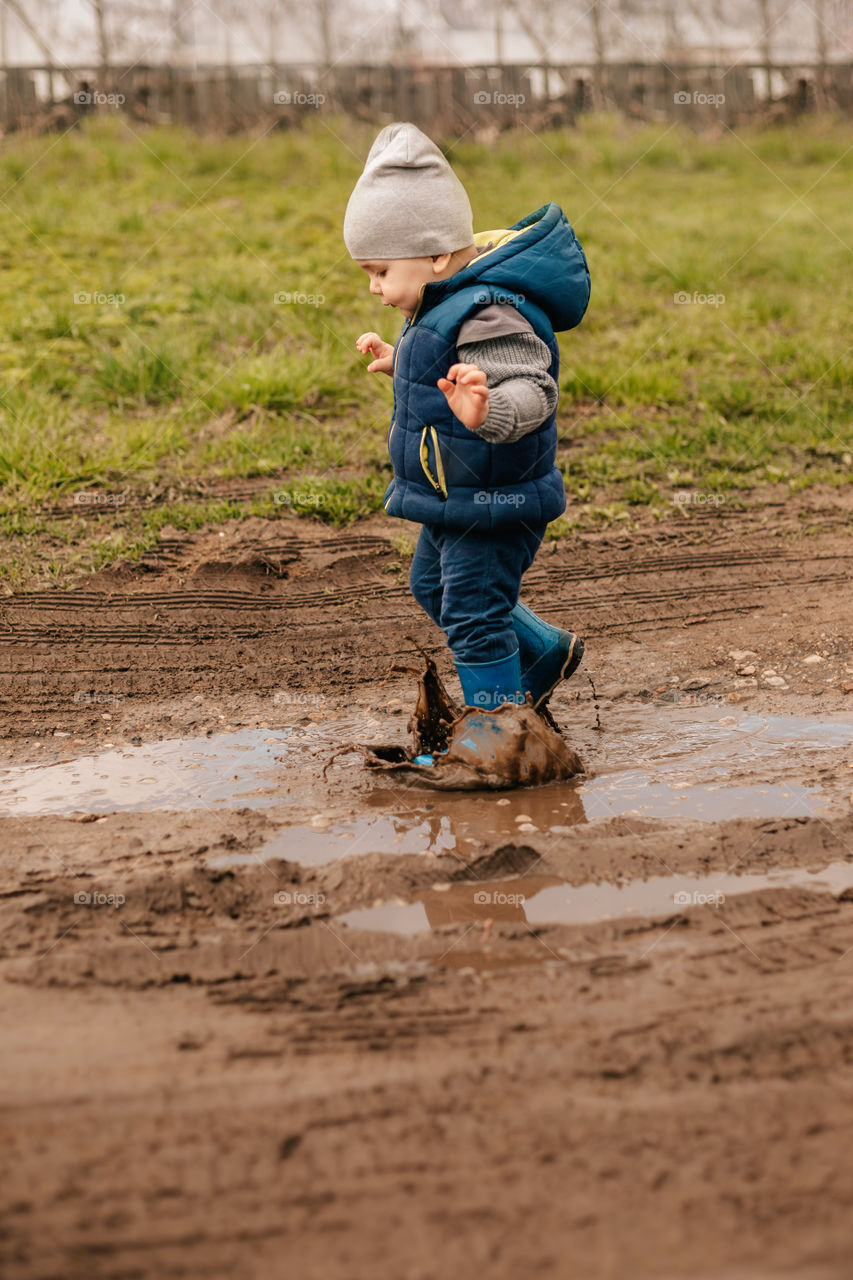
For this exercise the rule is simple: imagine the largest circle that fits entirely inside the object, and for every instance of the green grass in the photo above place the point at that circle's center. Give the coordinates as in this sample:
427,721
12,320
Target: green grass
188,370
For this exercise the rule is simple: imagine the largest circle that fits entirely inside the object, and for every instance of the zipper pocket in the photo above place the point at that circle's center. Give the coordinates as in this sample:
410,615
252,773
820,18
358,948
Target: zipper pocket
438,484
439,464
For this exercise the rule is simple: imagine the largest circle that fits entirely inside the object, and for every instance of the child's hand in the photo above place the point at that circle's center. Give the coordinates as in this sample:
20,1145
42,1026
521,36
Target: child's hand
372,344
467,394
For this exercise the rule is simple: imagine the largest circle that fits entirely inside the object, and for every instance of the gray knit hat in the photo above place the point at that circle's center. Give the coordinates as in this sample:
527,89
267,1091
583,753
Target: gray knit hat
408,202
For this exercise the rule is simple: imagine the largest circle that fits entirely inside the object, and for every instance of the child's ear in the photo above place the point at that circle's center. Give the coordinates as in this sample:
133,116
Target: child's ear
440,262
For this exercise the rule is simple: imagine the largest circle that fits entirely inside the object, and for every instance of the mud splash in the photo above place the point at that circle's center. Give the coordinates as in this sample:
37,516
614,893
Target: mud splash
473,750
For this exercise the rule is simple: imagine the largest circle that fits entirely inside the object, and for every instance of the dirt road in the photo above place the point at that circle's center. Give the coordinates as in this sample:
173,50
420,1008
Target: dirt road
262,1020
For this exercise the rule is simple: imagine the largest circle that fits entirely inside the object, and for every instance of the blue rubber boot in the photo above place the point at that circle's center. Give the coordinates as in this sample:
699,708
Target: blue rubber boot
548,654
485,685
488,684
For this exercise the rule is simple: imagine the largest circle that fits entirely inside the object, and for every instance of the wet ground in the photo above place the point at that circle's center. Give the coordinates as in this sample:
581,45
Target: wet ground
258,1004
660,762
539,900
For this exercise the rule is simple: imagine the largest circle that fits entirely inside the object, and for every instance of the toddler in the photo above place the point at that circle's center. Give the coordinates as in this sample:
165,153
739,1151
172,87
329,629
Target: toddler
475,375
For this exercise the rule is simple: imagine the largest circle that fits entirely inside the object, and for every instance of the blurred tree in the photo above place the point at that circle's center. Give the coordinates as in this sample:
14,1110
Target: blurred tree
325,10
543,26
182,51
552,25
266,23
103,42
768,16
29,26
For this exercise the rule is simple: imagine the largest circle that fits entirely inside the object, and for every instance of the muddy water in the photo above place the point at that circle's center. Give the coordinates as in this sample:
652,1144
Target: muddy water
663,764
417,831
538,900
455,824
250,767
657,762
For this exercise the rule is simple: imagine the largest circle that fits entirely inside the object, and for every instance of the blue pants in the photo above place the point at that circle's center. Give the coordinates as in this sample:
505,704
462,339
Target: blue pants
469,583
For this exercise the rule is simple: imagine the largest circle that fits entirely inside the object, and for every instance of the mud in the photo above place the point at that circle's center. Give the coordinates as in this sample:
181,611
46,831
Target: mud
457,748
260,1019
533,899
691,763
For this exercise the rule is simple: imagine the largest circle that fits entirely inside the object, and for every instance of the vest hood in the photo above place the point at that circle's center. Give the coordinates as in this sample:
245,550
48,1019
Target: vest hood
539,259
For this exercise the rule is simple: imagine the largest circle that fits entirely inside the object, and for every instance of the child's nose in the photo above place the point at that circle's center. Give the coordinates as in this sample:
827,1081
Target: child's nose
374,286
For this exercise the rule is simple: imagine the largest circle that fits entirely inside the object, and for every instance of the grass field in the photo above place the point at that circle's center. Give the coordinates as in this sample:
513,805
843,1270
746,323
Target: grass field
180,311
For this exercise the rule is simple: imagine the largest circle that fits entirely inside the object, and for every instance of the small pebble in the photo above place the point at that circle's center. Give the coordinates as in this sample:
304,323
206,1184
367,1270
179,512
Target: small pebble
776,682
812,659
523,817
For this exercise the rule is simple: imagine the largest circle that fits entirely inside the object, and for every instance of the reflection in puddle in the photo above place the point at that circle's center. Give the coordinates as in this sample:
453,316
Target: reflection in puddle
609,796
468,821
245,767
535,900
684,744
317,845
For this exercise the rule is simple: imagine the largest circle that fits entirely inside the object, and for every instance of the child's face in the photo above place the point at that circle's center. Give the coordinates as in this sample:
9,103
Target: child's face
398,281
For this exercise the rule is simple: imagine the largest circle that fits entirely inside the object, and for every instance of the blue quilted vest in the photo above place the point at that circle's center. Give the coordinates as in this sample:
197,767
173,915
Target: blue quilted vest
445,474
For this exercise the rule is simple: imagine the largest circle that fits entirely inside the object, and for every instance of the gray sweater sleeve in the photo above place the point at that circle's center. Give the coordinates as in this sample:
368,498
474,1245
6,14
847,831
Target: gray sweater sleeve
522,394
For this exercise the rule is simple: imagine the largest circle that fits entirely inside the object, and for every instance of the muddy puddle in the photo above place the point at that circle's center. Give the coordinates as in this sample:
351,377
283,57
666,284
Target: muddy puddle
251,767
678,764
535,900
455,824
660,764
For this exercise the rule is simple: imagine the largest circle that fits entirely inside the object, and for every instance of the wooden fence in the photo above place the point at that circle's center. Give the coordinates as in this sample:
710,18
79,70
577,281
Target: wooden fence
442,100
